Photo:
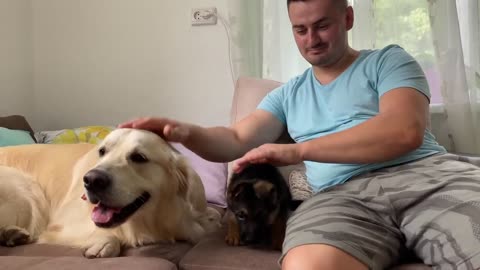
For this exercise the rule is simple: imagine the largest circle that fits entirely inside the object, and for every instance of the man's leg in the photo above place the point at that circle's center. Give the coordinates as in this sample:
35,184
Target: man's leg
316,256
348,227
438,204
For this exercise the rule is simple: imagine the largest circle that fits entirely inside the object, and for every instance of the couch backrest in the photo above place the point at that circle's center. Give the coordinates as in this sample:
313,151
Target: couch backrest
248,94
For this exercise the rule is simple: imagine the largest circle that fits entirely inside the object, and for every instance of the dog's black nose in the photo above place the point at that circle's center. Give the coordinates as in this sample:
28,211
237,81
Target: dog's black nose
96,180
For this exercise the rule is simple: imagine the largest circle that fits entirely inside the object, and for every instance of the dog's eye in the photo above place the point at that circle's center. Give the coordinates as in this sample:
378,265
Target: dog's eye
138,158
101,151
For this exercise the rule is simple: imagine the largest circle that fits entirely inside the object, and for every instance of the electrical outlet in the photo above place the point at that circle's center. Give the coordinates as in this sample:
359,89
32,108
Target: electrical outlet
204,16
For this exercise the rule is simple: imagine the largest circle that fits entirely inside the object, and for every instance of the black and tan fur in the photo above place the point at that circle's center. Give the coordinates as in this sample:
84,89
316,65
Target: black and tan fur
259,202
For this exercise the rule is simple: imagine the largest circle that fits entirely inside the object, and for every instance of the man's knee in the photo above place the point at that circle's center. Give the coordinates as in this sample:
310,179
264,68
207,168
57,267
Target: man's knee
317,256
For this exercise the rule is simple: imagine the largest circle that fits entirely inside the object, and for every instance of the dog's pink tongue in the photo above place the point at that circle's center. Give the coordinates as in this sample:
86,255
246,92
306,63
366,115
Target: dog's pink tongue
101,214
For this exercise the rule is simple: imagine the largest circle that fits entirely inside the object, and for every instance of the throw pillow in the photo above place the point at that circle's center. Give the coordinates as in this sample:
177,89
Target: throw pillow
213,175
11,137
299,187
87,134
17,122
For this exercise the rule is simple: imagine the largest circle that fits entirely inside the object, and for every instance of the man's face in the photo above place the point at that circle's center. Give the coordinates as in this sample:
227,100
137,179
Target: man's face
320,30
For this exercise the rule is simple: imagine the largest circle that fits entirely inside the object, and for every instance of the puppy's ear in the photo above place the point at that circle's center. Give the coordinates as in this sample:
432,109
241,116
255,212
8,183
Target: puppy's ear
264,189
237,190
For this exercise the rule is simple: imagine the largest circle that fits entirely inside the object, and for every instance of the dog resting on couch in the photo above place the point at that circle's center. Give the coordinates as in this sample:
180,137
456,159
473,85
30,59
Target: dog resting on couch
130,190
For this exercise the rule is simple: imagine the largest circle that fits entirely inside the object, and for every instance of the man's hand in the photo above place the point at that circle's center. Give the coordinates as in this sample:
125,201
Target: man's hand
169,129
275,154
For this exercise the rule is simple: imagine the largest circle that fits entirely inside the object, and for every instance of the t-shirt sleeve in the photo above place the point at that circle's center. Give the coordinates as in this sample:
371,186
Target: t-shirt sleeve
273,103
397,69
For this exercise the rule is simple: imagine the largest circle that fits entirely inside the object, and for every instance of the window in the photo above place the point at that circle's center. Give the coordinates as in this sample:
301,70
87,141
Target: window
406,23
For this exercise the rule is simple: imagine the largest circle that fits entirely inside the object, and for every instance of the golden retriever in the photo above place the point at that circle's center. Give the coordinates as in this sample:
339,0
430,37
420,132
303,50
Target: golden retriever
130,190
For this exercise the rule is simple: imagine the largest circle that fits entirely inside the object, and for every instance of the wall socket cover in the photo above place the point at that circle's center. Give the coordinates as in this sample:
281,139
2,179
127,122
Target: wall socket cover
204,16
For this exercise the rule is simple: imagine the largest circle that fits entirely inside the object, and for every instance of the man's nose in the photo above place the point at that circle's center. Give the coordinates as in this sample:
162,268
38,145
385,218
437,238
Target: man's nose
312,38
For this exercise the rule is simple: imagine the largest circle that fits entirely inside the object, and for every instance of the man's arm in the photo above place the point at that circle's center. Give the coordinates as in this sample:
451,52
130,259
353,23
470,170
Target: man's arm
397,129
218,144
228,143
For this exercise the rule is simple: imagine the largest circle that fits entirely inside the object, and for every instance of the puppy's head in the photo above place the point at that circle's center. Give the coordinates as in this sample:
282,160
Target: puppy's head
254,204
136,170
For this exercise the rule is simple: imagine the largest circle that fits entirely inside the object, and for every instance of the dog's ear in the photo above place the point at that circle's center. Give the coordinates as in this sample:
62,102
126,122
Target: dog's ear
181,172
237,190
264,189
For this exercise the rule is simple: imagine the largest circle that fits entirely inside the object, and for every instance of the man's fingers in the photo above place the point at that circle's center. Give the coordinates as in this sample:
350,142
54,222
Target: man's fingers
253,157
135,123
238,167
168,129
175,132
128,124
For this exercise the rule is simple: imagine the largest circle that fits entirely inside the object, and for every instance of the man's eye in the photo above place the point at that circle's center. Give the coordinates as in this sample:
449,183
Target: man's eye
301,31
138,158
323,27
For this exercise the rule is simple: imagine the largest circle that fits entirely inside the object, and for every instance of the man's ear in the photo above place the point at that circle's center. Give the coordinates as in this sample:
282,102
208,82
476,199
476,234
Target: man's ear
349,18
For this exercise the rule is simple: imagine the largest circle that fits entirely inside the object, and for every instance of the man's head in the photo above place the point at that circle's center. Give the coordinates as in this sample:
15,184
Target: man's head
320,29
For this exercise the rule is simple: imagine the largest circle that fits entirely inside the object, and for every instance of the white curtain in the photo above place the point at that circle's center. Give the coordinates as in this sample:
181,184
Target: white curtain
244,24
443,35
455,30
282,60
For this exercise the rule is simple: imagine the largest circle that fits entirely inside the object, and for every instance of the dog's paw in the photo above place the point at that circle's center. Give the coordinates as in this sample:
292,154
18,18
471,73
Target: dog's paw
11,236
212,220
233,231
233,237
102,249
232,240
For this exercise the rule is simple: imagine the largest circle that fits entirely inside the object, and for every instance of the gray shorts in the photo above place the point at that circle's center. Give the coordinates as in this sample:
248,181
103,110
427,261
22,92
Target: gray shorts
430,207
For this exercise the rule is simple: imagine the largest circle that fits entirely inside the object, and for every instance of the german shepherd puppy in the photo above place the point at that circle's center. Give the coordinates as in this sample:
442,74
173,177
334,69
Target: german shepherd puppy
259,203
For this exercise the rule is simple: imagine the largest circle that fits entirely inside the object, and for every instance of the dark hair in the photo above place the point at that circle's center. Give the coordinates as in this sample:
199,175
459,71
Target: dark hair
340,3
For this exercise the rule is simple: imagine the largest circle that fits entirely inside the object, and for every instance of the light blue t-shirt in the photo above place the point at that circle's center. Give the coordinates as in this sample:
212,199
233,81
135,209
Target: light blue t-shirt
309,109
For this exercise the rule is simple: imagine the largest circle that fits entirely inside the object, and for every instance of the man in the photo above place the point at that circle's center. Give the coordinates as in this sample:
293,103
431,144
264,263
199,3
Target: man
359,121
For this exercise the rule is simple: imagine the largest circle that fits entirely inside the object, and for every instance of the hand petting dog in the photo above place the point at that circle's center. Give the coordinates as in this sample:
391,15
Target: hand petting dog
275,154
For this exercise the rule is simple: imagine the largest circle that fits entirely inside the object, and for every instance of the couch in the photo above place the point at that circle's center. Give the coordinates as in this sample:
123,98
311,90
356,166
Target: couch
210,253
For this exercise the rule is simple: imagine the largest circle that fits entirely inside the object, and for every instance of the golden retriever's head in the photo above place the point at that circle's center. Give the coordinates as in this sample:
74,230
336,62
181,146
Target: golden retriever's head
135,168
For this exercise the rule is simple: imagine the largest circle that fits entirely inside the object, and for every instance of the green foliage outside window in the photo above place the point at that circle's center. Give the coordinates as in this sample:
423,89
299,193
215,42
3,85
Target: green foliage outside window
405,23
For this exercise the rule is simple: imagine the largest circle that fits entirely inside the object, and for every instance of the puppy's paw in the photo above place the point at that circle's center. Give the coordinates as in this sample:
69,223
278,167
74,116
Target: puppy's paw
232,238
102,248
11,236
233,231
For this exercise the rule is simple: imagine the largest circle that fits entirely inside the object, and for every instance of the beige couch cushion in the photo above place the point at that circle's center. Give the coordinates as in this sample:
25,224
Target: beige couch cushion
213,254
57,263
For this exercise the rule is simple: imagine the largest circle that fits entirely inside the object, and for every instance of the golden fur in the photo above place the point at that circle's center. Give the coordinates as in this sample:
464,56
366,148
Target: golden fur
41,194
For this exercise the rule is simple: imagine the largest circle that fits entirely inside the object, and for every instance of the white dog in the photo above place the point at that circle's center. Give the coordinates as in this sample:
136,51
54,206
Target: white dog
130,190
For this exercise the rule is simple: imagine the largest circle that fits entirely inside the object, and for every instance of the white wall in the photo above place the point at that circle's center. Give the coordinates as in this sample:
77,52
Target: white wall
88,62
16,58
103,62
